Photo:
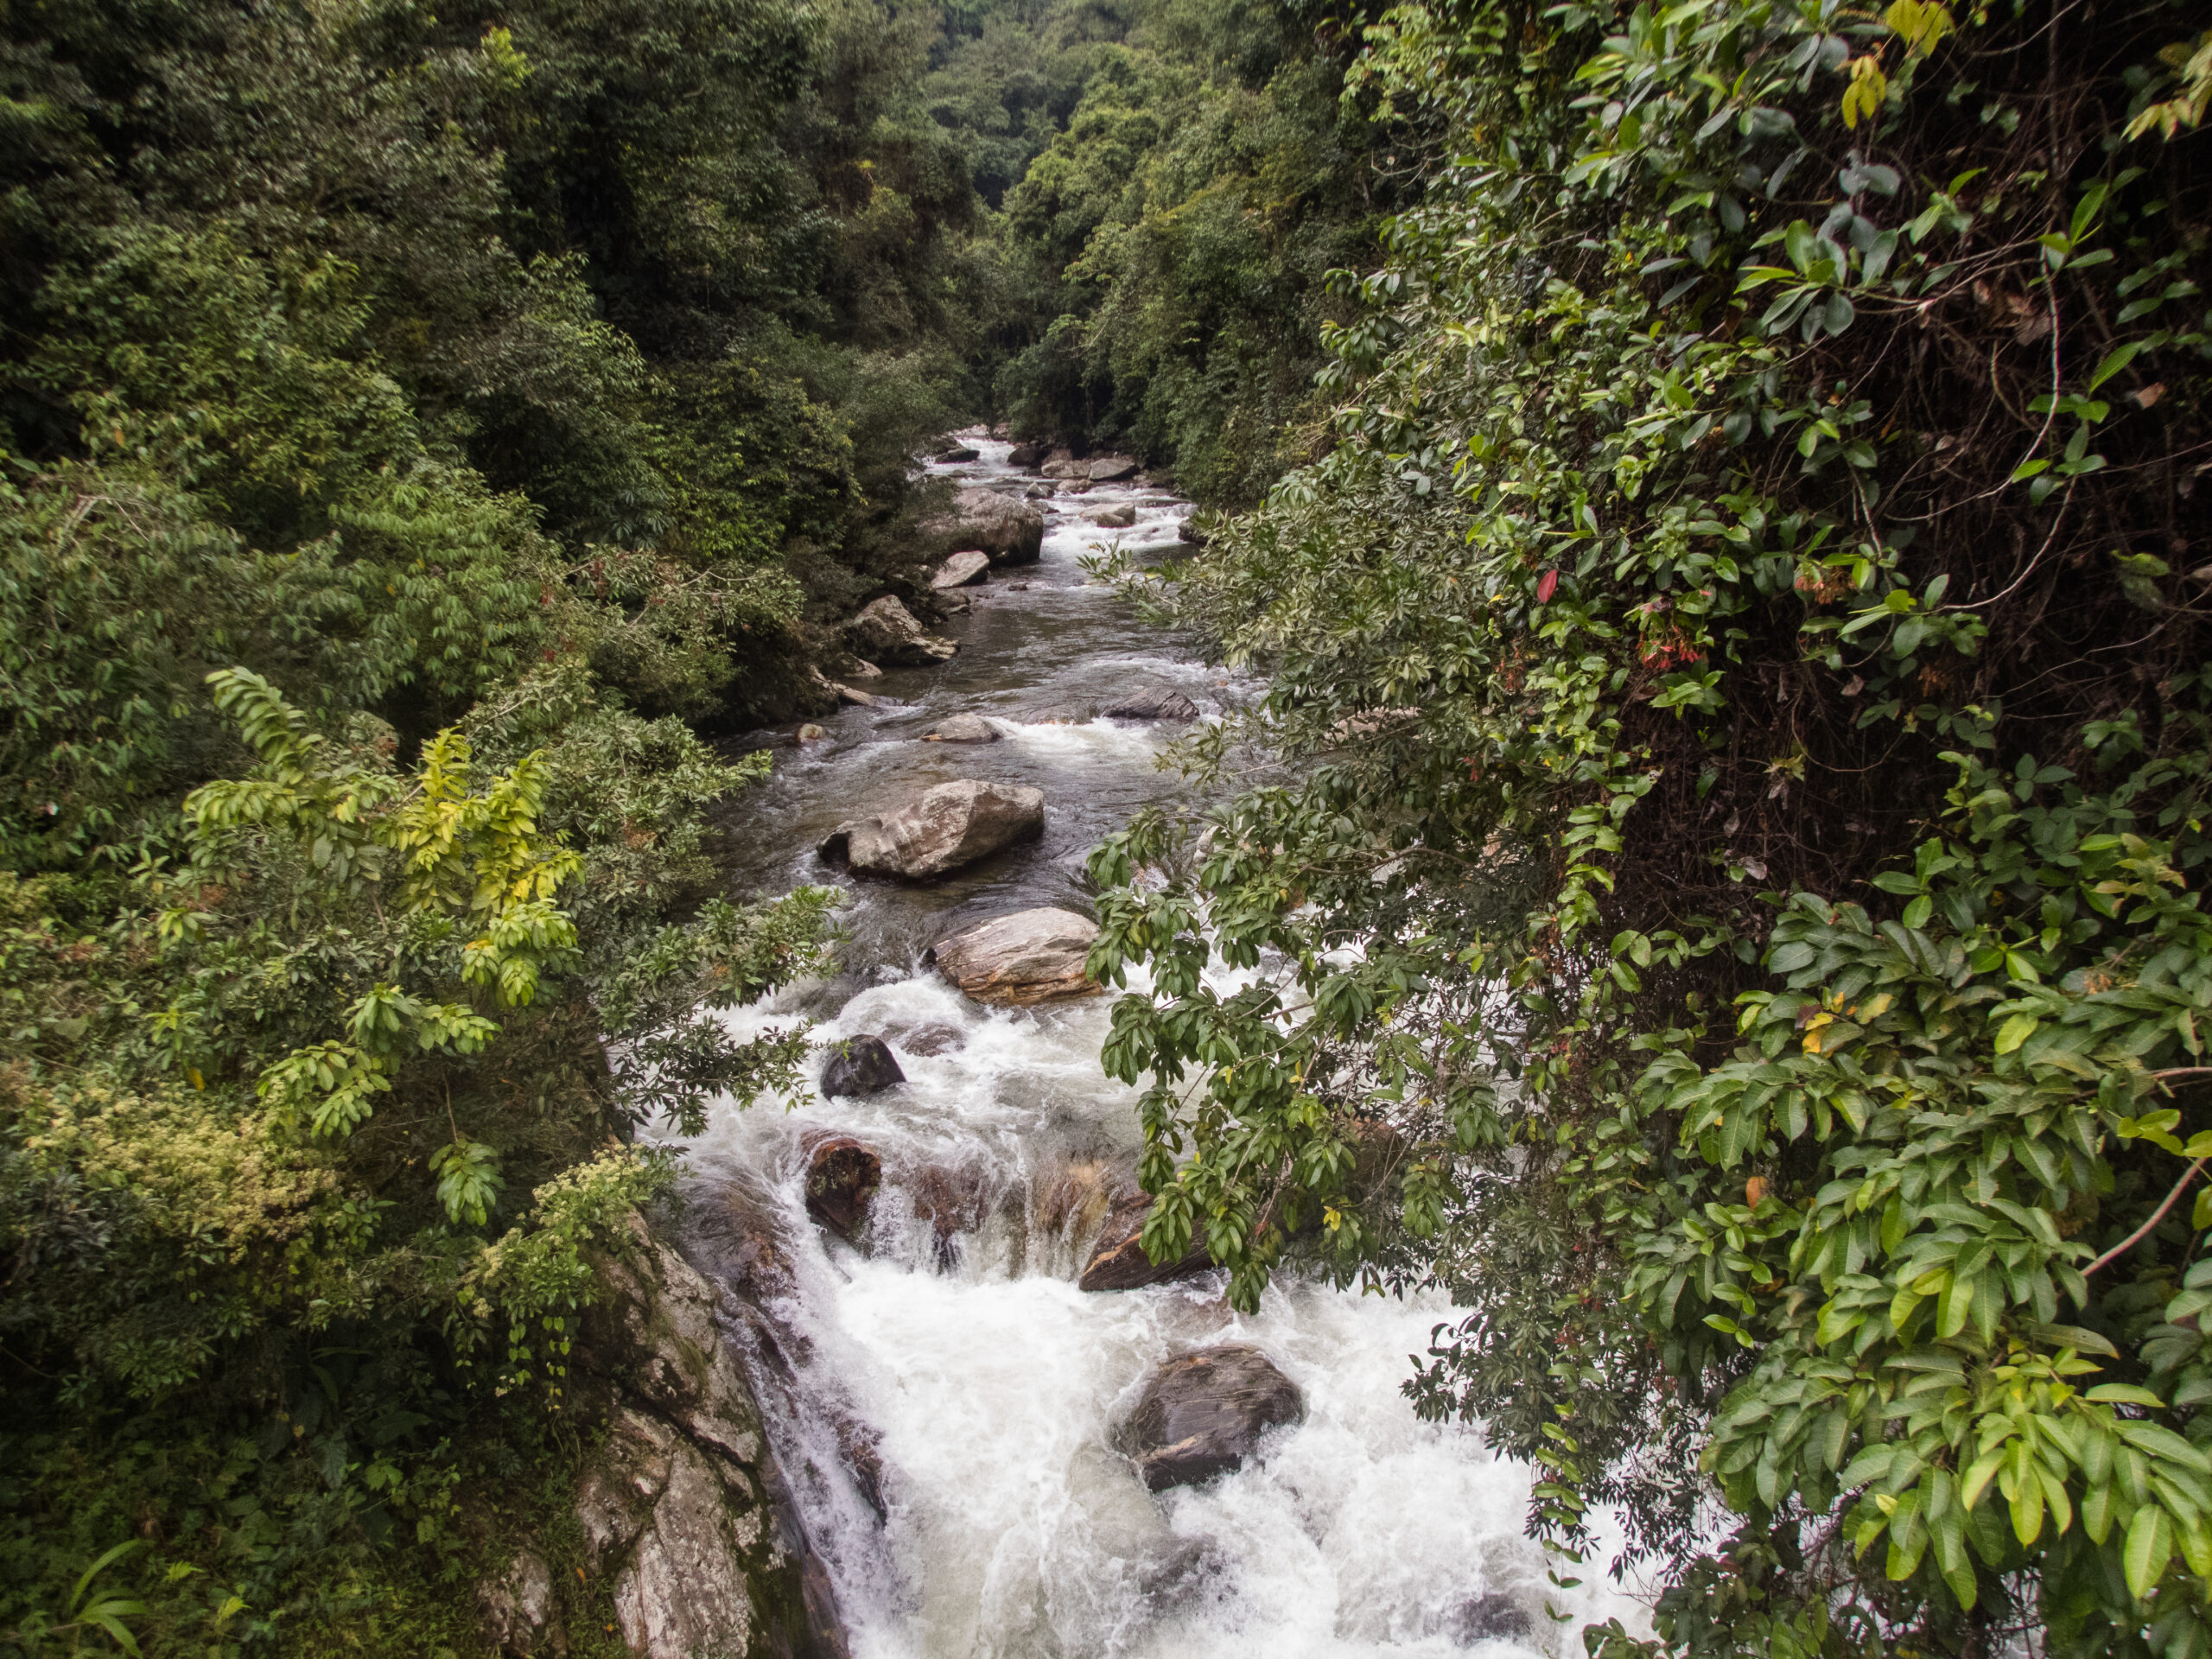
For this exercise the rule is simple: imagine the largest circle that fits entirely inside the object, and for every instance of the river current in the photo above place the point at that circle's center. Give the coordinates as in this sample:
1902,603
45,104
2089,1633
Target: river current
982,1385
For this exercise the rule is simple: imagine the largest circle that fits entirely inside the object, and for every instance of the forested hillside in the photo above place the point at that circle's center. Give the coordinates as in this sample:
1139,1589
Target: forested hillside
1718,495
420,434
1730,804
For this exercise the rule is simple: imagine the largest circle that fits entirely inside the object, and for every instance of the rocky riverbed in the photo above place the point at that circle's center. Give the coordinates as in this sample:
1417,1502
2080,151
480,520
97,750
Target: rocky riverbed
1003,1430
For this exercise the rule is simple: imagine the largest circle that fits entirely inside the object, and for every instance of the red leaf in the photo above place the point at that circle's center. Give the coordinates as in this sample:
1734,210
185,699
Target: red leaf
1546,585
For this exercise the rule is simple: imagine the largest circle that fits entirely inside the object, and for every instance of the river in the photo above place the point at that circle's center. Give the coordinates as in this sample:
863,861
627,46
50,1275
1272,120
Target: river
959,1348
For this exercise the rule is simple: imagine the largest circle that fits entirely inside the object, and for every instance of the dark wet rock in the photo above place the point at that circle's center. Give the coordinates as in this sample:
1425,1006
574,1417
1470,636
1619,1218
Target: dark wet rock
951,1201
1153,702
1189,533
756,1258
961,570
1202,1413
1109,469
860,1449
940,830
1006,527
886,631
860,1065
1031,956
843,1175
1025,455
953,603
1117,1260
964,728
1487,1618
1113,517
960,455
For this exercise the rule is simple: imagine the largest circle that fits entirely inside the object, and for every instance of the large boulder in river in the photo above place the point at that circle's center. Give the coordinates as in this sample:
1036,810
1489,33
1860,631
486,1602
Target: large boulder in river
1031,956
1117,1260
1108,469
1153,702
1009,530
961,570
1202,1413
1119,517
860,1065
887,632
940,830
1025,454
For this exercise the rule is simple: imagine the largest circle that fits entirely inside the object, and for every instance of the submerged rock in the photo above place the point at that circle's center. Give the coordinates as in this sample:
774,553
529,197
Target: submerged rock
887,630
860,1065
961,570
1117,1260
933,1039
940,830
1486,1618
1189,533
1153,702
1061,713
1113,517
1010,531
843,1175
964,728
1031,956
1202,1413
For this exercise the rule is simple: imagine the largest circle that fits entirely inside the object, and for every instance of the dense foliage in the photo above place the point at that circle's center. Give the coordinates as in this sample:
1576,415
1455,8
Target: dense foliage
1728,818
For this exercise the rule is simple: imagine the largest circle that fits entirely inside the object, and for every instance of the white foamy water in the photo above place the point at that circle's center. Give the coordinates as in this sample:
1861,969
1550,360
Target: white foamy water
959,1345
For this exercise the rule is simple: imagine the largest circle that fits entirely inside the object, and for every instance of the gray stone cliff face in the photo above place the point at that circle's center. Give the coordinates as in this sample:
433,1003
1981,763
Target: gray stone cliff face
680,1502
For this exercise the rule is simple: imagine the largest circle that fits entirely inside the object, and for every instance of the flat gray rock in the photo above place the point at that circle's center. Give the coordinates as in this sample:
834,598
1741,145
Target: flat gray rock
939,830
1007,528
1108,469
961,570
1153,702
887,632
1031,956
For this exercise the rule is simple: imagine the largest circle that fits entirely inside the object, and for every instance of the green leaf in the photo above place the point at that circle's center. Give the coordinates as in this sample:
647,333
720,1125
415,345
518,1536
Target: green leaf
2148,1548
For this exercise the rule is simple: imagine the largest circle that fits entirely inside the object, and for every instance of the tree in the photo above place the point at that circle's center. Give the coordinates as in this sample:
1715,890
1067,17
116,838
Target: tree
1745,742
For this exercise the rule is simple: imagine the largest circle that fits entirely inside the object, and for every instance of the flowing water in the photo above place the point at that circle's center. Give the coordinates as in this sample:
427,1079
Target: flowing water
955,1365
